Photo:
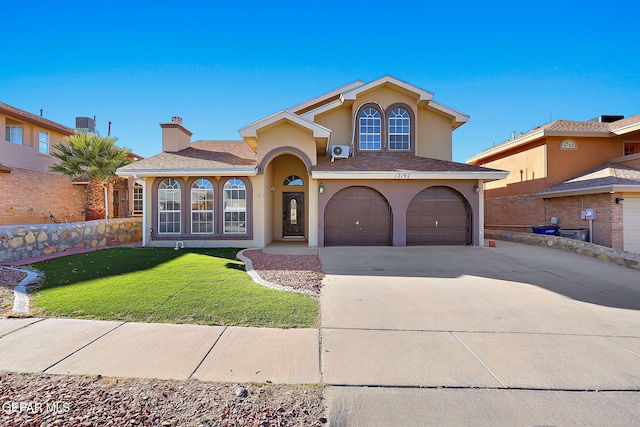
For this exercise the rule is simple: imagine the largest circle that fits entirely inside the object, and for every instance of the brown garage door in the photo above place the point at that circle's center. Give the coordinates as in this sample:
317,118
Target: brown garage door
357,216
438,216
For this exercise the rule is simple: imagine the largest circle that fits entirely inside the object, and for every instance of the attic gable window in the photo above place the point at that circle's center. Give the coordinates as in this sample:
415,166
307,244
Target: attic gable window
370,125
399,125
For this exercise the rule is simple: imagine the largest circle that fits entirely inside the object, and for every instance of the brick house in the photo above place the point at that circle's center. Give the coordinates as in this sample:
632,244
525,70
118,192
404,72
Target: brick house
29,192
563,168
365,164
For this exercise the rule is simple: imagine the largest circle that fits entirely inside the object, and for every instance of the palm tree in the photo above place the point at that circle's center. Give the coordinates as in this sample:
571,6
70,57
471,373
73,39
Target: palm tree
88,156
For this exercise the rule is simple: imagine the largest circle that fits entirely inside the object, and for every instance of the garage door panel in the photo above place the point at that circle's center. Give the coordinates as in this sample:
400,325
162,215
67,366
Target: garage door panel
438,216
357,216
631,223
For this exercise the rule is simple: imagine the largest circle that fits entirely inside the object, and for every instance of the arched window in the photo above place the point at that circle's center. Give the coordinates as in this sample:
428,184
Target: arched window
202,206
399,133
293,180
235,207
169,206
370,129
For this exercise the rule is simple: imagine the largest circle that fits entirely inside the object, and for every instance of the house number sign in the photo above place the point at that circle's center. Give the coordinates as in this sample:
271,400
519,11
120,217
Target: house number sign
403,176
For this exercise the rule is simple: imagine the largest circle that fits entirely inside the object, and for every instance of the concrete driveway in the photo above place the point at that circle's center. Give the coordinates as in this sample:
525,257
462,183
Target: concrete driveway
513,335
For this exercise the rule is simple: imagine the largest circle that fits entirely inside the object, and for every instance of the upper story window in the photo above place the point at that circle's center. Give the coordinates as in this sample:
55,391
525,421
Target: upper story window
235,207
13,134
43,142
399,133
631,148
370,125
169,206
293,180
202,206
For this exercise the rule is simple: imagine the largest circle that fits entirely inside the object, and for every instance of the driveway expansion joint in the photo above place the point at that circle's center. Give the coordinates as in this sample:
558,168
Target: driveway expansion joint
478,359
466,387
22,327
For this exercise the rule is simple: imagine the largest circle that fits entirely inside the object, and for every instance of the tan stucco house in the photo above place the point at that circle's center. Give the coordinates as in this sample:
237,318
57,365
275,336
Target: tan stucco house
560,170
365,164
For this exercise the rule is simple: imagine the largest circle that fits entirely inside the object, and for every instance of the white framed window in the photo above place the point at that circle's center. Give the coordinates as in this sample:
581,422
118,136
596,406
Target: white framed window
13,134
43,142
202,206
370,125
399,134
137,198
169,213
235,206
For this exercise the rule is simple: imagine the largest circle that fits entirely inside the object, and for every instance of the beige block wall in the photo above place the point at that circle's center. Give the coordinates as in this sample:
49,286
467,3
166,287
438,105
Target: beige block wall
433,135
340,121
286,134
27,197
525,165
27,155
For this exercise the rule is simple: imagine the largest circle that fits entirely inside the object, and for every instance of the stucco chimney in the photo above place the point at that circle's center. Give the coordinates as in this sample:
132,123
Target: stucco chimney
175,137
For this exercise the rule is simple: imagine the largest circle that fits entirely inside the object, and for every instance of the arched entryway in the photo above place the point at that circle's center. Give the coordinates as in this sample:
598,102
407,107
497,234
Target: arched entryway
438,216
357,216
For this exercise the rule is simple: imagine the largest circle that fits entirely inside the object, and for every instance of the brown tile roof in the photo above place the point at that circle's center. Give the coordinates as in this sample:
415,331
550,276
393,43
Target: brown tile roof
32,118
605,175
625,122
577,126
396,162
200,155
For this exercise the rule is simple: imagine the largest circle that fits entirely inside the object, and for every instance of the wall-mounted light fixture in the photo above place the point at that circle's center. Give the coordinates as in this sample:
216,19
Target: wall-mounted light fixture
321,189
619,200
273,188
476,188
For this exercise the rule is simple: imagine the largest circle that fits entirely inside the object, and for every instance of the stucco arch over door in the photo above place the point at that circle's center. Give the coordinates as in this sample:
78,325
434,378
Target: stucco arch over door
357,216
439,216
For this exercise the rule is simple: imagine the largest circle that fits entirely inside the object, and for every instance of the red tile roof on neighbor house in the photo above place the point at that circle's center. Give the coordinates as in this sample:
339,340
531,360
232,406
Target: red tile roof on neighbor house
201,155
34,119
602,178
396,162
564,127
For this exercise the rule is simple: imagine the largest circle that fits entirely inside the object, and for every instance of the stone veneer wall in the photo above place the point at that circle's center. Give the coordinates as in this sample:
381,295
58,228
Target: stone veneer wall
28,241
623,258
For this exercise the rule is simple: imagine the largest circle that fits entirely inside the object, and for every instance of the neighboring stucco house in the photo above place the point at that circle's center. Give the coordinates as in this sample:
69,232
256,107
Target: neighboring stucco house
366,164
563,168
29,192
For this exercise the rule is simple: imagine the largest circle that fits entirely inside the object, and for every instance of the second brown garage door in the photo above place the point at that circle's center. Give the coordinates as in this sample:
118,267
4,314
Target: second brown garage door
438,216
357,216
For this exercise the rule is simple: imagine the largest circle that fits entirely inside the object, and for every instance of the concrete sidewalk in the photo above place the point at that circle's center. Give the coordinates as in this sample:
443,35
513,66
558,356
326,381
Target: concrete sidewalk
166,351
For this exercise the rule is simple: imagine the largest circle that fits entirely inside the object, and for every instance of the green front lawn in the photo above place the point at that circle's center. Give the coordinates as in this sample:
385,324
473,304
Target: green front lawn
203,286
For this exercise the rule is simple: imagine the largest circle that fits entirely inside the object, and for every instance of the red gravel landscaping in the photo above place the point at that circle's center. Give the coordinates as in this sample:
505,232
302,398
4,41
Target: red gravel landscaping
295,271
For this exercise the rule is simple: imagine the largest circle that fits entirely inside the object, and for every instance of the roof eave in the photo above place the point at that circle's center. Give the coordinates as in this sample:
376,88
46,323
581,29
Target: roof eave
143,173
589,190
410,175
251,131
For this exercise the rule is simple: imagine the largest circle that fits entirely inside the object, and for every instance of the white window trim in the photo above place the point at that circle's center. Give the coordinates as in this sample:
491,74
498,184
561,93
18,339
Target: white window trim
41,141
10,128
361,134
178,211
408,134
138,212
225,210
199,188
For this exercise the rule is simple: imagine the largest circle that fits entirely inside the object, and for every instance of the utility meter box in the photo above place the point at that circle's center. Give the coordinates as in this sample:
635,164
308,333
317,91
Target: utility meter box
588,214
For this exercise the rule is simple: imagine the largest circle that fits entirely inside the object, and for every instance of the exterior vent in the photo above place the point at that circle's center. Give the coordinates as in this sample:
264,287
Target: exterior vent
339,152
85,123
606,119
176,119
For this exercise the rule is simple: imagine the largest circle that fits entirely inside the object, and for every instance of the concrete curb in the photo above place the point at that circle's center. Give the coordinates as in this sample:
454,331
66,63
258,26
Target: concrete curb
21,304
260,281
615,256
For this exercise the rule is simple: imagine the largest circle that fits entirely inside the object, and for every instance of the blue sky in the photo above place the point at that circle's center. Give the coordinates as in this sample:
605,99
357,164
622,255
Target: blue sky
222,65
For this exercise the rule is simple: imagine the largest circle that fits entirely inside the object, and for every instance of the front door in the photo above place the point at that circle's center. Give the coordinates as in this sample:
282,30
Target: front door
116,203
293,214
